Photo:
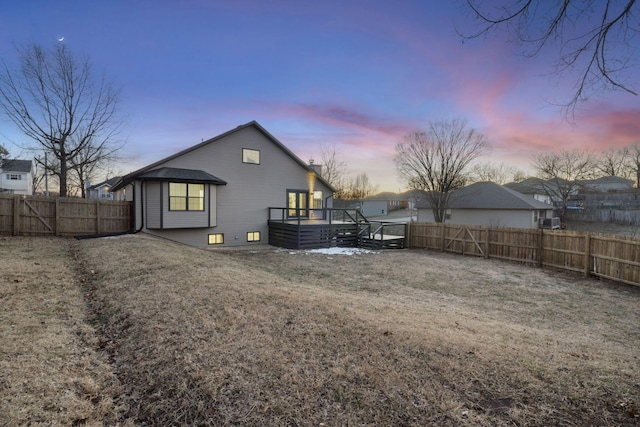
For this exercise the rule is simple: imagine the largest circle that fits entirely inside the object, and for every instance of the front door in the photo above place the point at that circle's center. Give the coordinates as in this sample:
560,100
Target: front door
297,202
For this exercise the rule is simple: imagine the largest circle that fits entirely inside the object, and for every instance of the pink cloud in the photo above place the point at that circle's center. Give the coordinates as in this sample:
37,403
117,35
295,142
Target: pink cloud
613,126
358,119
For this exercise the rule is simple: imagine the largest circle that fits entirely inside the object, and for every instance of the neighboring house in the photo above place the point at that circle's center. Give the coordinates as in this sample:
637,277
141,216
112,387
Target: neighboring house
531,187
383,203
218,192
490,204
372,208
102,191
607,184
413,197
16,176
538,189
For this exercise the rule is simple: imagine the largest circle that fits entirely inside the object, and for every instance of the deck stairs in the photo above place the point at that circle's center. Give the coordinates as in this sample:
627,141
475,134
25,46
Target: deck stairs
381,235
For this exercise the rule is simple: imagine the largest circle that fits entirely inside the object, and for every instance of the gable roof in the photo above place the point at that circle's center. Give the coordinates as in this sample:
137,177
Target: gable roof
108,183
610,179
527,186
15,165
127,179
489,195
539,186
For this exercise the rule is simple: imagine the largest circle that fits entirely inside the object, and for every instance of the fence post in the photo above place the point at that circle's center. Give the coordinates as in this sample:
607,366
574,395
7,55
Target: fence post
16,215
540,246
407,234
486,242
98,216
56,230
587,254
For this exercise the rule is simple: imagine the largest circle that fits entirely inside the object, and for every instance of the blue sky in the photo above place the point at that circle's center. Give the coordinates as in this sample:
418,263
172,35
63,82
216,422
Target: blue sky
357,75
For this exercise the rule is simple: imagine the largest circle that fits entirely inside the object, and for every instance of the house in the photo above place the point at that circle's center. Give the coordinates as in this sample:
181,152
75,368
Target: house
383,203
492,205
607,184
592,192
16,176
532,187
101,191
218,192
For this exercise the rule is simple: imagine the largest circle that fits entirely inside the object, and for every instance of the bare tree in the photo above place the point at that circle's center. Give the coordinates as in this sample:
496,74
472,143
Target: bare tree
498,173
613,162
437,160
91,160
561,174
519,176
596,38
633,163
53,99
38,179
334,170
3,152
359,188
633,167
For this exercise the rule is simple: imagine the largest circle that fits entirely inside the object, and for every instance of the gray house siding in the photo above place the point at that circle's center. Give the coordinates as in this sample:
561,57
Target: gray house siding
153,204
486,217
374,207
240,206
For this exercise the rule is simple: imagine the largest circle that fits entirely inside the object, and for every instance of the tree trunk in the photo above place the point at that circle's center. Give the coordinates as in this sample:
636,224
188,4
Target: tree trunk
63,171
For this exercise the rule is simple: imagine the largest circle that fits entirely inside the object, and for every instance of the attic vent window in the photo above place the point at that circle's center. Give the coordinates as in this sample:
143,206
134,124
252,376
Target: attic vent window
250,156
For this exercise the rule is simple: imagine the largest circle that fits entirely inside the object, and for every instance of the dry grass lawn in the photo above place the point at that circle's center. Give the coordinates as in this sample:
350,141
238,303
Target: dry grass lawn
138,330
50,372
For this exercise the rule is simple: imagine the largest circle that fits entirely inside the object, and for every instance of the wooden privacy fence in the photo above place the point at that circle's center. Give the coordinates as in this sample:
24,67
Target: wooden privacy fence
55,216
612,257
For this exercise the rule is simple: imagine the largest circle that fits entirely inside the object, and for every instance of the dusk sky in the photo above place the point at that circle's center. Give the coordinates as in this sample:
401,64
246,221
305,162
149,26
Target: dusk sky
357,75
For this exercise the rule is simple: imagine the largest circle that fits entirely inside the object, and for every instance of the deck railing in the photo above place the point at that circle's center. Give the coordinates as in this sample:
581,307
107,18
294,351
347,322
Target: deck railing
302,215
377,234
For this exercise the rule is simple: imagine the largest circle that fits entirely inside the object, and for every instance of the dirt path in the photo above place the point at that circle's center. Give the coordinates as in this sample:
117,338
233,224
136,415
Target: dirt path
50,373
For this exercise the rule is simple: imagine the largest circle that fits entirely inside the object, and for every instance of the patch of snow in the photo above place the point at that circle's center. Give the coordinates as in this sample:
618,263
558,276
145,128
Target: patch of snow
329,251
339,251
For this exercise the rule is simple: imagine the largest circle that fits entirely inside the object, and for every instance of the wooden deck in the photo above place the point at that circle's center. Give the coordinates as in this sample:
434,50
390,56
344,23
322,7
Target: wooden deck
333,228
312,234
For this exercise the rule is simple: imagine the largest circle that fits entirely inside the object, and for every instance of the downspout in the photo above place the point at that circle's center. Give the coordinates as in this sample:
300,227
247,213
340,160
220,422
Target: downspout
326,206
141,207
326,200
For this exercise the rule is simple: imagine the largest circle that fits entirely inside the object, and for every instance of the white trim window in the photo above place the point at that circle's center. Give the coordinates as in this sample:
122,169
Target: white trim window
250,156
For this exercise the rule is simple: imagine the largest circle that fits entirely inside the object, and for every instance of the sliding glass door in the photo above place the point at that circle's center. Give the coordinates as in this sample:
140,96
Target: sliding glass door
297,203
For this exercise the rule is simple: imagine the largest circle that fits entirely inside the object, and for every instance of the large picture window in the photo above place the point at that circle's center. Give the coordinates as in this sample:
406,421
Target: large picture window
186,197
